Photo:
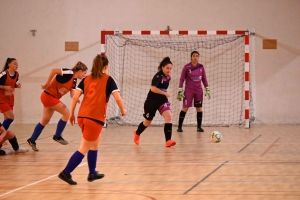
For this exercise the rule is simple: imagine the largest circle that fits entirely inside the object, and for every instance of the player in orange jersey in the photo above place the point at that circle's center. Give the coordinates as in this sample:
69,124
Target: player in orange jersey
96,88
59,83
9,80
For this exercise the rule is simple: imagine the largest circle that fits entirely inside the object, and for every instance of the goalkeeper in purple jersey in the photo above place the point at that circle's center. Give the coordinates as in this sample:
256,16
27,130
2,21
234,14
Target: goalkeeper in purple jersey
193,74
157,99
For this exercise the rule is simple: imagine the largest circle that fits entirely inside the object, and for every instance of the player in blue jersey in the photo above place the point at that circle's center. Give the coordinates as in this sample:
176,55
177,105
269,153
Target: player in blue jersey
192,74
157,99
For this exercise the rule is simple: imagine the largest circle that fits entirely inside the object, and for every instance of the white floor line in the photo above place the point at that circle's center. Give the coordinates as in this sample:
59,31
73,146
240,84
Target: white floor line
20,188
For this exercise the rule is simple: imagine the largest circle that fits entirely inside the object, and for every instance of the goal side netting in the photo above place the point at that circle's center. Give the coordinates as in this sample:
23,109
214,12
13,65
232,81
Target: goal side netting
133,61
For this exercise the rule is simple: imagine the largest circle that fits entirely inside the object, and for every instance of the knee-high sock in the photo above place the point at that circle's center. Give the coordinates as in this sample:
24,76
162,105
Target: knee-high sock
181,119
6,123
92,160
168,131
37,132
60,128
141,128
199,119
14,143
74,161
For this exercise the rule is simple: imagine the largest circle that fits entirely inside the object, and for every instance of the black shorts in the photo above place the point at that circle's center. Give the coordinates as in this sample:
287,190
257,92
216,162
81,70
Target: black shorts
150,109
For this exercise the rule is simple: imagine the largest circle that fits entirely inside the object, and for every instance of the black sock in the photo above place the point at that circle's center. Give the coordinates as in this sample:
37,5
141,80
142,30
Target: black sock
181,118
141,128
199,119
14,143
168,131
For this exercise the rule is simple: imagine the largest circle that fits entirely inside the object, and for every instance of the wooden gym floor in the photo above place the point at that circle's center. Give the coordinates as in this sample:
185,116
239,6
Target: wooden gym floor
258,163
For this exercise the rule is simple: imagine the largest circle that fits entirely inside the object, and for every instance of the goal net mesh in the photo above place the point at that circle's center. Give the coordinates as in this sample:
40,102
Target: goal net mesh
133,61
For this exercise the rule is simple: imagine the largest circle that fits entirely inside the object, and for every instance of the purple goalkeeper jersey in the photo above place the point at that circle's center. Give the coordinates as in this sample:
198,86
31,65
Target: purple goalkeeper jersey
193,77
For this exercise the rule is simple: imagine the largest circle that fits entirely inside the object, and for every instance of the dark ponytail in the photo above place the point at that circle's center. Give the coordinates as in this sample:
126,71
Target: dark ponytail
164,62
8,60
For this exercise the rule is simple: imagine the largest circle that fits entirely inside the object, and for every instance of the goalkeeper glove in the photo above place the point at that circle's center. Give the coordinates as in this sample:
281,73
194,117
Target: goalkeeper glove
180,94
207,92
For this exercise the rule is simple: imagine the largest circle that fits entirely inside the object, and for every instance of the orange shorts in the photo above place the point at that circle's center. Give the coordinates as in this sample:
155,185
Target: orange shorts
90,129
48,100
4,107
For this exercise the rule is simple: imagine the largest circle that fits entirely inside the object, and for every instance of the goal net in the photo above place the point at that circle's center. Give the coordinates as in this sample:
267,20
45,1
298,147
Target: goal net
134,58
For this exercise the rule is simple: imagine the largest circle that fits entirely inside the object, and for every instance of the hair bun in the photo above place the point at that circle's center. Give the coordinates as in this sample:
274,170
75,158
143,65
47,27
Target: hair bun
167,59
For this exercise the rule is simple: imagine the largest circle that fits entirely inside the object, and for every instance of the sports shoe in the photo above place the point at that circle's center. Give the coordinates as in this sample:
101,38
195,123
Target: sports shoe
136,138
66,178
92,177
179,130
7,151
22,150
170,143
32,145
60,140
200,130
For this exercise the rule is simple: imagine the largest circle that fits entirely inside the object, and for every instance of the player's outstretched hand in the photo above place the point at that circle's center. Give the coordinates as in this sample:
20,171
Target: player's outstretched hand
72,119
207,92
180,94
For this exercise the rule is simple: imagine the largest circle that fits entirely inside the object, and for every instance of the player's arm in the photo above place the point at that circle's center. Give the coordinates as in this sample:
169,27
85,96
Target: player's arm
74,101
72,93
205,83
182,77
119,102
180,93
51,76
158,91
18,84
112,88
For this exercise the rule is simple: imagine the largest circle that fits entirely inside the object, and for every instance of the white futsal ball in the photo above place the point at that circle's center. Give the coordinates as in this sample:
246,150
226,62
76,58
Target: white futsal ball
216,136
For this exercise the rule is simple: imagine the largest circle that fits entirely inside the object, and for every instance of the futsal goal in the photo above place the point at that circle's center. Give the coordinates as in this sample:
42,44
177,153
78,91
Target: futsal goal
135,55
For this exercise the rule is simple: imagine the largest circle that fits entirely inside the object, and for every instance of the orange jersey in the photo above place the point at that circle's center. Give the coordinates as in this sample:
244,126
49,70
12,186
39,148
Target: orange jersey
7,80
62,84
96,96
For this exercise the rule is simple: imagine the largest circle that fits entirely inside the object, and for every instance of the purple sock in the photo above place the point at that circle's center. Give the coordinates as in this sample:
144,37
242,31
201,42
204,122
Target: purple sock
74,161
92,160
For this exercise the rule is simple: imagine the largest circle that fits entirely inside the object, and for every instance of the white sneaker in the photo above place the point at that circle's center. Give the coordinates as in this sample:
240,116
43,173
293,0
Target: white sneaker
22,150
8,151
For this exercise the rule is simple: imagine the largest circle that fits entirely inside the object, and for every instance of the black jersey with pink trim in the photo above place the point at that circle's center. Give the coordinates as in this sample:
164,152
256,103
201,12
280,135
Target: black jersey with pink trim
160,81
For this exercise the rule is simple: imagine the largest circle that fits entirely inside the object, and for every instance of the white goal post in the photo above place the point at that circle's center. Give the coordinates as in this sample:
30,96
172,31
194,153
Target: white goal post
134,57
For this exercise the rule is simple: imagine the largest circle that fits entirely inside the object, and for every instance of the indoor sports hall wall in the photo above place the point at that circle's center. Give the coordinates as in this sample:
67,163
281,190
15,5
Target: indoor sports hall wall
276,93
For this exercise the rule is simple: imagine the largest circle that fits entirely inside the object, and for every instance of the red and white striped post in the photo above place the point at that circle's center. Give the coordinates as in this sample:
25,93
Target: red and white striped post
247,79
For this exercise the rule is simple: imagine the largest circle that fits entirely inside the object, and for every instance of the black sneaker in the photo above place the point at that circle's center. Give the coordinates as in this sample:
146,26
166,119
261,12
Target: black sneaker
200,130
32,145
179,130
66,178
60,140
92,177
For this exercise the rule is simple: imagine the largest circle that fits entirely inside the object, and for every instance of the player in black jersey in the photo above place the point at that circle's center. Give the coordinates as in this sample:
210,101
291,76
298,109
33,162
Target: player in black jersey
157,99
